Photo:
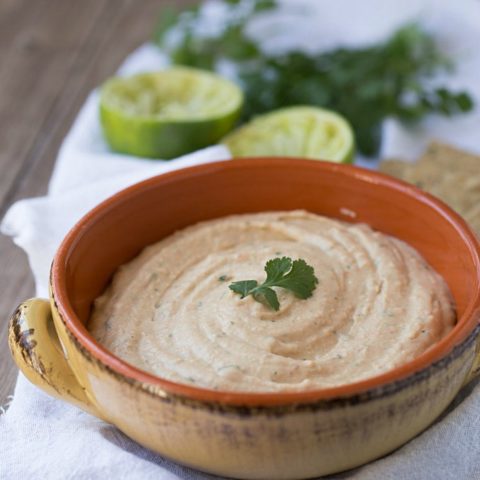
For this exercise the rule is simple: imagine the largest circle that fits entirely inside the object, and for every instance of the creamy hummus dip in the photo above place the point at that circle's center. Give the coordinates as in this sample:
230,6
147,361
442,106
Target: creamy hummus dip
169,311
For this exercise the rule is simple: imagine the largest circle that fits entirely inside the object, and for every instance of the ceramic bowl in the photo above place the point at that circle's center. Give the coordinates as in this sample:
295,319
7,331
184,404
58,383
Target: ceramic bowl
251,435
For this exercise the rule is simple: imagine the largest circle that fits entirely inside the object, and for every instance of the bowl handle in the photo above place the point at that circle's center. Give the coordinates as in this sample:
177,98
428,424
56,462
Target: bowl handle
38,353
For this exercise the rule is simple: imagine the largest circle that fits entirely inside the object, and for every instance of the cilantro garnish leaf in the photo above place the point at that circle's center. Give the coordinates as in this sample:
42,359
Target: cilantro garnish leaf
276,268
300,280
296,276
267,296
243,288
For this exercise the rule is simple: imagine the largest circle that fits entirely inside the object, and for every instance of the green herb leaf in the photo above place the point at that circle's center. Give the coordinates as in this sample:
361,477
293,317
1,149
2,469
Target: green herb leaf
244,287
296,276
167,19
277,268
300,280
267,296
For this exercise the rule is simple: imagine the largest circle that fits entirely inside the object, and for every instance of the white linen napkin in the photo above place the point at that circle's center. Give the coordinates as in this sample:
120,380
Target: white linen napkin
41,437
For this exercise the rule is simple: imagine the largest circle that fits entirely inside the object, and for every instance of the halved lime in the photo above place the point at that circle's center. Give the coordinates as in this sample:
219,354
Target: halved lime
168,113
298,131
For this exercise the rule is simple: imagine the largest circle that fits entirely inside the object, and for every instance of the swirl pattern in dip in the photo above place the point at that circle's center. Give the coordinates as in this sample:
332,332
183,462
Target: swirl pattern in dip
170,312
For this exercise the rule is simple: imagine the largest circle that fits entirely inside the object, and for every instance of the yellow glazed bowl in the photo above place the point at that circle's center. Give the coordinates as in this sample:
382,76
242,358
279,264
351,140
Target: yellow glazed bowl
235,434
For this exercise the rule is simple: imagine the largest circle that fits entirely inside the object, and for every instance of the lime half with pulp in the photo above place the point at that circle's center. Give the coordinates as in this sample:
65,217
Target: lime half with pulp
168,113
299,131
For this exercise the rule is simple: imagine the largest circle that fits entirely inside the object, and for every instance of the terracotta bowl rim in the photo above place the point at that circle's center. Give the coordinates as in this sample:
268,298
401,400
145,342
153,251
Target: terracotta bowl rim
465,324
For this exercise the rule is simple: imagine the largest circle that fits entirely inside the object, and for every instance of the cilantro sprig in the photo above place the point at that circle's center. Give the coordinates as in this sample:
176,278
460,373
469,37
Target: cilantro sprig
296,276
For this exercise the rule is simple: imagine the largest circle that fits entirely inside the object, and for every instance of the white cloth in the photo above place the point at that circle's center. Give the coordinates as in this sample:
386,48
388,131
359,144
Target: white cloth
41,437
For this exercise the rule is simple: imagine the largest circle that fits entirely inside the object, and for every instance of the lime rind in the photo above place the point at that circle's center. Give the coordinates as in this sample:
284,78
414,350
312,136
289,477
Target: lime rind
299,131
168,113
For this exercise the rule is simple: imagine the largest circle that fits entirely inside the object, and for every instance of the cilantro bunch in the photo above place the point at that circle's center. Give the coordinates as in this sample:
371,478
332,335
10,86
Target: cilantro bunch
366,85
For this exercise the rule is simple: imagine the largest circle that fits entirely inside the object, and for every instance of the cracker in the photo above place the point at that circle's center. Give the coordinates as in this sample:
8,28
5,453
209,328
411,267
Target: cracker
401,169
448,173
396,168
447,156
